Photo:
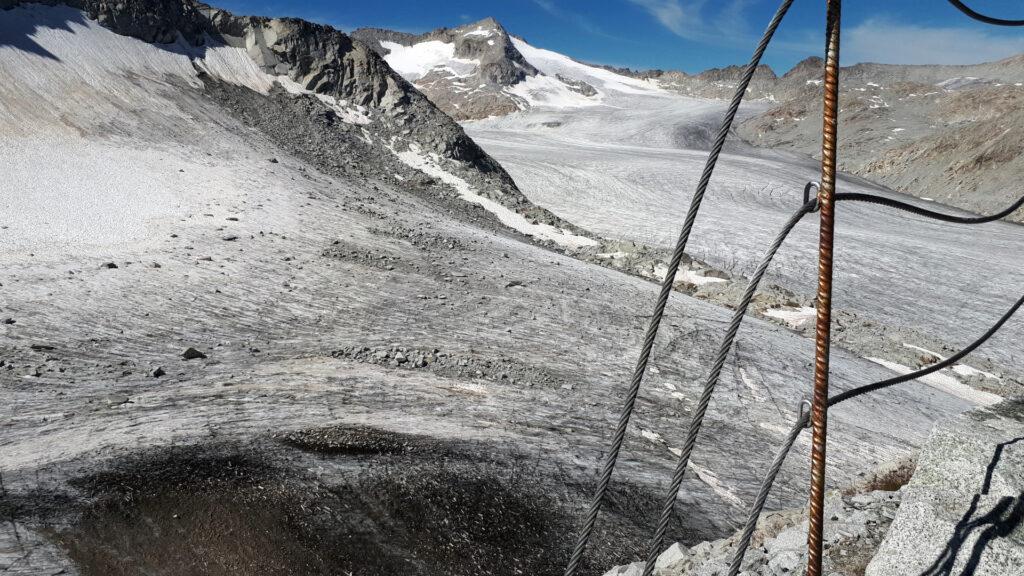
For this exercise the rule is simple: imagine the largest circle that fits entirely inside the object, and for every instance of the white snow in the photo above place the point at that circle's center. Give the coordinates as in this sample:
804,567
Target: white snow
711,479
547,91
960,82
76,185
416,61
968,371
686,274
480,32
652,436
793,317
552,63
415,158
945,383
923,350
961,369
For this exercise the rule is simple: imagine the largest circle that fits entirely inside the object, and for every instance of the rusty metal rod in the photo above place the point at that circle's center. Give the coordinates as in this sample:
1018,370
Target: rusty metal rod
826,201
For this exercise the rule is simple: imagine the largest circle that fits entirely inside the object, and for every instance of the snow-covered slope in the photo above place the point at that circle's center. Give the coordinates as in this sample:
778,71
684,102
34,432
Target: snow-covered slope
98,148
604,81
479,70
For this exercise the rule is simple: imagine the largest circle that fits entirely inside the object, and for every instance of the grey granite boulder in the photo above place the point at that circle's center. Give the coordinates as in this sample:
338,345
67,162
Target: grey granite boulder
963,511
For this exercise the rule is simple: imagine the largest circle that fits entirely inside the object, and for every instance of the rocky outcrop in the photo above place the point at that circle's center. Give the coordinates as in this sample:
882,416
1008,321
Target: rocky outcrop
484,47
963,511
345,75
947,133
147,20
720,82
856,524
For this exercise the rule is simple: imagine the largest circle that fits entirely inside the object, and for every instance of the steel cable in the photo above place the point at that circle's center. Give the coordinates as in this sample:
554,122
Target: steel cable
872,199
666,290
982,17
712,380
801,423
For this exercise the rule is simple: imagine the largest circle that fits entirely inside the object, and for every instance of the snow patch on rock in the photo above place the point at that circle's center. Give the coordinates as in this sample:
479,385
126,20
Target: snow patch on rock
415,158
945,383
416,61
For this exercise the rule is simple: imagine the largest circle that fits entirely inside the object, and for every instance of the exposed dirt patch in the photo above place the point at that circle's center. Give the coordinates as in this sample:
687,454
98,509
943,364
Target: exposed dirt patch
352,500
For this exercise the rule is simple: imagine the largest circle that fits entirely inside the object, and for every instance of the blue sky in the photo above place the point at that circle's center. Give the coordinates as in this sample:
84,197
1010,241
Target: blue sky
690,35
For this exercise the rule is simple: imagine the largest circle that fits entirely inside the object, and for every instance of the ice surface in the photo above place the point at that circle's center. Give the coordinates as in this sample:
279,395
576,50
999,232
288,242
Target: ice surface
66,188
628,172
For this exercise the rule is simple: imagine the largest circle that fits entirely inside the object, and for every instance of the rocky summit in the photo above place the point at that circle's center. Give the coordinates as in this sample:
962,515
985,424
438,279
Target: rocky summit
472,71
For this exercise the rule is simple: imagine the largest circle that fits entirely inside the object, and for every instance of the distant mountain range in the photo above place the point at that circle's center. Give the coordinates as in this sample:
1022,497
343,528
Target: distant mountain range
949,133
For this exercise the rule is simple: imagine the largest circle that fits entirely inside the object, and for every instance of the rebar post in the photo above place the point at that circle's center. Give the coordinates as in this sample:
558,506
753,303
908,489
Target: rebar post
826,202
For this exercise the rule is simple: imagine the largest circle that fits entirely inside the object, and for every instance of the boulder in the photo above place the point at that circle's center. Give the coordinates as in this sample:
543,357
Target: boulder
963,510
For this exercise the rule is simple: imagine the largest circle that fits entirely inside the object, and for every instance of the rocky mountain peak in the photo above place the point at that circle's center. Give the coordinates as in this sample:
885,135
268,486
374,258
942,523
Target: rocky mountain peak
464,70
734,72
807,68
489,42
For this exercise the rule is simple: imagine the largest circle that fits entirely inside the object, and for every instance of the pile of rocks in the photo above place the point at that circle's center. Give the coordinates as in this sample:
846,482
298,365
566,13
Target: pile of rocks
855,525
452,365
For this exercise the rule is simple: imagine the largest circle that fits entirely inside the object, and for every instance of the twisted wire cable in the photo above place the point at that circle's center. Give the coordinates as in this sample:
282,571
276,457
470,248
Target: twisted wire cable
712,380
666,290
801,424
872,199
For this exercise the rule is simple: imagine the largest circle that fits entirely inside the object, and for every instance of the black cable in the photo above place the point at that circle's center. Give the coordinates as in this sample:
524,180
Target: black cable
934,367
983,18
872,199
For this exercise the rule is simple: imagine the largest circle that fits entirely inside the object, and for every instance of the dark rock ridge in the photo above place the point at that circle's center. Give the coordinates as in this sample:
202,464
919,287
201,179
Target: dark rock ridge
328,62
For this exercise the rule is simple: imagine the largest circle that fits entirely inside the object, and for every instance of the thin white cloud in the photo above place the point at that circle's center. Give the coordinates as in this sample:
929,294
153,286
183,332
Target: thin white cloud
681,18
720,23
733,17
579,20
887,42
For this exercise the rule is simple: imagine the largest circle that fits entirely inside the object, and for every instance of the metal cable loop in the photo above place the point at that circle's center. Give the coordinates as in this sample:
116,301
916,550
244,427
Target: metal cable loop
666,290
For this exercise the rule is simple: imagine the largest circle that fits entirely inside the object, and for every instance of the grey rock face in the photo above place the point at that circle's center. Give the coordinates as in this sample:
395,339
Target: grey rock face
577,85
948,133
478,94
854,526
963,511
148,20
720,82
328,62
